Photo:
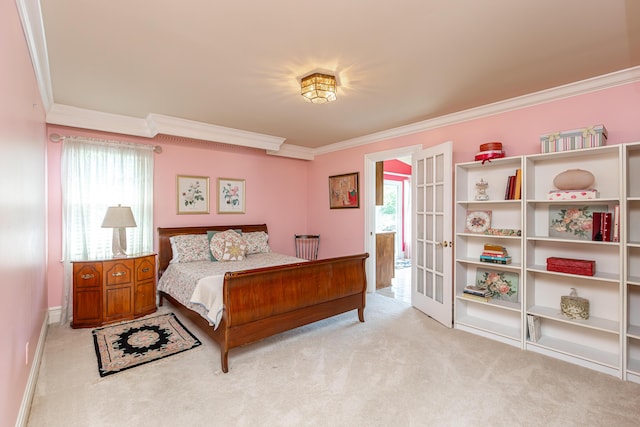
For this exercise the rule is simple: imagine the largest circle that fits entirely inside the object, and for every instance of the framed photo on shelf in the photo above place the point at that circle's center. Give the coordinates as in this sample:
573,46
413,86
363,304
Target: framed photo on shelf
502,284
574,222
477,221
344,191
231,197
192,194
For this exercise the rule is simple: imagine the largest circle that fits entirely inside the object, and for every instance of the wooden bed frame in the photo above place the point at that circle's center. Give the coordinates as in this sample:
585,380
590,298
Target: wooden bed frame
263,302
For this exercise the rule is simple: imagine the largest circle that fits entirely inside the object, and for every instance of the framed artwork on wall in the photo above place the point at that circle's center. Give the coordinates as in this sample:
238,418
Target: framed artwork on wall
344,191
192,194
231,196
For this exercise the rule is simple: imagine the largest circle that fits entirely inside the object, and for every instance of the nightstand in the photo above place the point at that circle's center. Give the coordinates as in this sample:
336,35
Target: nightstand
113,290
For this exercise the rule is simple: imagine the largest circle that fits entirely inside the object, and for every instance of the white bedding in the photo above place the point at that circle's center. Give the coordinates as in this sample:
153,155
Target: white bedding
198,285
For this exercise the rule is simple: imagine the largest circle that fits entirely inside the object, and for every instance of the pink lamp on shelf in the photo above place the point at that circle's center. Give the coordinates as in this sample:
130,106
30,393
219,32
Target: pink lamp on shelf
119,217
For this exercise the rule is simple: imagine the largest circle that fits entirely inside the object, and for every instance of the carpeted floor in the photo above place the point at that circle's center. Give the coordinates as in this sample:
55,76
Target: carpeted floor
399,368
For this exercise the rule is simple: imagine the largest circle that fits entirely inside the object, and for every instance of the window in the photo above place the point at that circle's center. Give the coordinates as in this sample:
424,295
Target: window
96,175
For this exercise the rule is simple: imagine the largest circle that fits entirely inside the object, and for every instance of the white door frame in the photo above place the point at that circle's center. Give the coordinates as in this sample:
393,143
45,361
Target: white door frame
370,161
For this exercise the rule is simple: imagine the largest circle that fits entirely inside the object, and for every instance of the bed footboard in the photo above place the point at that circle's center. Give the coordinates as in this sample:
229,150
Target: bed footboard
262,302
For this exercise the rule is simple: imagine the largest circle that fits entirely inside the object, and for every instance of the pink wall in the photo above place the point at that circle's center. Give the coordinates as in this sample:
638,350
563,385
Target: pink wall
276,191
617,108
22,214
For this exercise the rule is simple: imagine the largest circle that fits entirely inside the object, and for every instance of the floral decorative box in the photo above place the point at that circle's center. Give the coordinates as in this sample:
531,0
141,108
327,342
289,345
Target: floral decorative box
572,194
575,139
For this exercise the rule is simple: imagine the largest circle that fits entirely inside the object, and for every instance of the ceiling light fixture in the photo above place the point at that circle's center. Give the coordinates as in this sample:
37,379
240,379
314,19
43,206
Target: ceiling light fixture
318,88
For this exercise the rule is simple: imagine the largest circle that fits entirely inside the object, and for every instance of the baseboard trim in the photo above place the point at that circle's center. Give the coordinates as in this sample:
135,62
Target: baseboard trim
30,389
54,314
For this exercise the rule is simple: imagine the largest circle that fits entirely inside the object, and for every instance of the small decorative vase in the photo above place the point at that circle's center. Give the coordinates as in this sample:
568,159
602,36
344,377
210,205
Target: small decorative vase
574,179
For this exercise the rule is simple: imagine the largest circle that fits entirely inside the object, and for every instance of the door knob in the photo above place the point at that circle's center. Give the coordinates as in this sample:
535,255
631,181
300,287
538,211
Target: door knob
444,244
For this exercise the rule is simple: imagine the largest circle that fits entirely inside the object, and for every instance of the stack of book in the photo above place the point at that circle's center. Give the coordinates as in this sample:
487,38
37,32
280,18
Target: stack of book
514,186
496,254
476,293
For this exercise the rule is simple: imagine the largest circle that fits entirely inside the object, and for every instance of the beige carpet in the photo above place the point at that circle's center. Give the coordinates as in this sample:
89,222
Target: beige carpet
399,368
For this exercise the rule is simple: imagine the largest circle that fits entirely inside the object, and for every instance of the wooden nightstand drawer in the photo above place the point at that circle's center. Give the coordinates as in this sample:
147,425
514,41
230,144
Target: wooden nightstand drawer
145,268
87,275
118,272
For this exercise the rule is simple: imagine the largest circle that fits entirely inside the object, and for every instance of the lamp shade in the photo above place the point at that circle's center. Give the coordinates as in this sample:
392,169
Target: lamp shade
119,217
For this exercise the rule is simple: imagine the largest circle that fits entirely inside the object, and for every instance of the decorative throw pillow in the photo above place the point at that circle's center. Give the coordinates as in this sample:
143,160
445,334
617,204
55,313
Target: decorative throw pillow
233,251
210,235
190,247
218,242
256,242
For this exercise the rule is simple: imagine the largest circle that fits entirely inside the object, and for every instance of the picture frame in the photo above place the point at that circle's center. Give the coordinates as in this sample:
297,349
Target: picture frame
477,221
573,222
344,191
504,285
192,194
231,196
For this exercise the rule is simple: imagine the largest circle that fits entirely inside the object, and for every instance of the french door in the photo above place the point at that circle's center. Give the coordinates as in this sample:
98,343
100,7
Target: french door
432,268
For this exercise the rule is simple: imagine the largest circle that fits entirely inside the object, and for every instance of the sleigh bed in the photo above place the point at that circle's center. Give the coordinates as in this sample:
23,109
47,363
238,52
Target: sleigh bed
261,302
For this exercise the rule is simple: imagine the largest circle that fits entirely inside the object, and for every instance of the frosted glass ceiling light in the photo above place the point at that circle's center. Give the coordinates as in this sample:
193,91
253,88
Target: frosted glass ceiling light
318,88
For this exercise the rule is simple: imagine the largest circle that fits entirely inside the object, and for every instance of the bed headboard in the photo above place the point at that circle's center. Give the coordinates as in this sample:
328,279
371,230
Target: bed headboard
164,245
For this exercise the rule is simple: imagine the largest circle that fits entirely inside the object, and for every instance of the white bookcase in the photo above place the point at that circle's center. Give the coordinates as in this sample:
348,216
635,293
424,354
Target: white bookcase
496,319
596,341
631,233
609,340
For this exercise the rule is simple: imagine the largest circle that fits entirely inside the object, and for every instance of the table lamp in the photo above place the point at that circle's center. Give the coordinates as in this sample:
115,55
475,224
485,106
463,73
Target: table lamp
119,217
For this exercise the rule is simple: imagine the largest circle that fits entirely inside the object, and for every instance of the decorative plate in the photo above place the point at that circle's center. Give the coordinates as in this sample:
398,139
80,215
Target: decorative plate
477,221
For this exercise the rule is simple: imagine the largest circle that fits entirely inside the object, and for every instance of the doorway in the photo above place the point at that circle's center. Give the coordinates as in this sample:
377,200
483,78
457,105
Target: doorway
388,221
393,231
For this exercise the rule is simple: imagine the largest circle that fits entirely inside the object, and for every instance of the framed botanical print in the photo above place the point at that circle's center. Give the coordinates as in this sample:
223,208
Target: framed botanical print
231,197
344,191
192,194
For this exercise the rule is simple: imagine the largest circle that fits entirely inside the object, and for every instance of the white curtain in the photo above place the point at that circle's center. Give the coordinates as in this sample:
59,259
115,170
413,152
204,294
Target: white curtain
95,175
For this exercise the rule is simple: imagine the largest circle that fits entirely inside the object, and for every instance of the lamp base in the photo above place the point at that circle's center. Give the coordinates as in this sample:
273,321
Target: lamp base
119,243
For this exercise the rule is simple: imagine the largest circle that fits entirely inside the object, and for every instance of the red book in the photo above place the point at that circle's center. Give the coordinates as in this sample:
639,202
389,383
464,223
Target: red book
615,233
606,227
508,191
596,229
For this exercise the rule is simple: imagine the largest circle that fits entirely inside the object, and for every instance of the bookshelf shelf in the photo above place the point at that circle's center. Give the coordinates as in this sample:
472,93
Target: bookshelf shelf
602,276
604,325
573,350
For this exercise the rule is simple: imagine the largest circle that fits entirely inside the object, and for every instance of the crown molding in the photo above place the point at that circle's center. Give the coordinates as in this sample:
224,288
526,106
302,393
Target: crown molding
198,130
33,28
618,78
155,124
293,151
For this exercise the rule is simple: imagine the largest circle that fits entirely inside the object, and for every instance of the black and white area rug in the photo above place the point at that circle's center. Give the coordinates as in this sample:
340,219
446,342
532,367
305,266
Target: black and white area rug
130,344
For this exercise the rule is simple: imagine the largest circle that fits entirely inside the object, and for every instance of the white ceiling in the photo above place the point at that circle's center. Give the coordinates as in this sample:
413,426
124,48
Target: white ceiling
237,64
